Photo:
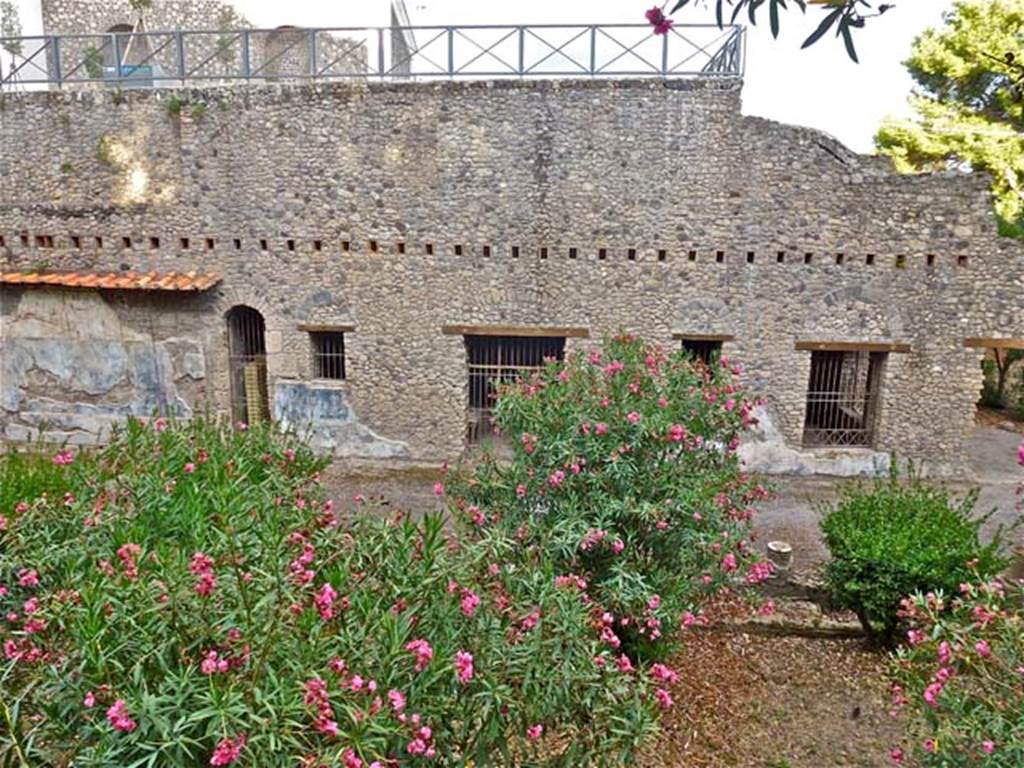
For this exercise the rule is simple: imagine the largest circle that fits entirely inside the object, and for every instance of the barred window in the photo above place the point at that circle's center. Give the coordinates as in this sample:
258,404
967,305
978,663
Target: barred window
328,354
843,398
496,360
702,350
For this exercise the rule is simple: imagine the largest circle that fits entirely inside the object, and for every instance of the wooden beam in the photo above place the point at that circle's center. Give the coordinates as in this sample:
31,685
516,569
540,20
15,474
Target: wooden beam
327,327
681,336
514,330
977,341
852,346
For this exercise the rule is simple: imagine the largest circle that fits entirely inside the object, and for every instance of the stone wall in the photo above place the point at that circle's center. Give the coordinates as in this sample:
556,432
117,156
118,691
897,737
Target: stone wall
640,205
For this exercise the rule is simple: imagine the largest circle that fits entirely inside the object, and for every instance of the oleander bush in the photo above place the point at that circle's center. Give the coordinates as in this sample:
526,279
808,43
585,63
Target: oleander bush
624,473
960,677
195,600
896,536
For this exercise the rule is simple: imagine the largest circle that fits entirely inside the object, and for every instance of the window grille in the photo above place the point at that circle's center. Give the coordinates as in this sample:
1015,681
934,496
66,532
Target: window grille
843,398
247,364
328,354
702,350
496,360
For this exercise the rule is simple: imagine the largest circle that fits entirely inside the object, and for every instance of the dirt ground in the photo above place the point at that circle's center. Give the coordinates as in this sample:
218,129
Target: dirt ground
748,701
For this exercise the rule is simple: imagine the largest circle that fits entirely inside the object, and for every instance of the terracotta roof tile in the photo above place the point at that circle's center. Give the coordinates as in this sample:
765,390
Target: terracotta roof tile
125,281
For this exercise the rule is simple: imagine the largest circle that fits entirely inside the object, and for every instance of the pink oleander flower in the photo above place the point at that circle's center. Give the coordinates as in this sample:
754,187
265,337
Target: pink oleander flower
27,577
464,666
897,755
557,478
423,652
90,700
189,468
664,674
944,653
624,664
118,717
729,562
657,19
600,428
470,602
664,698
534,732
212,664
159,424
227,751
930,746
439,489
520,490
324,601
350,759
617,546
63,458
988,747
396,699
633,417
983,649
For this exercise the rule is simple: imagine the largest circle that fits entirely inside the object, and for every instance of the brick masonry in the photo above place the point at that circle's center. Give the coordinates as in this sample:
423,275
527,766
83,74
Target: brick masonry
303,196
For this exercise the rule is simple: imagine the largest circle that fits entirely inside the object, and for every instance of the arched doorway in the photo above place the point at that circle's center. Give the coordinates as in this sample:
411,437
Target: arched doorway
247,363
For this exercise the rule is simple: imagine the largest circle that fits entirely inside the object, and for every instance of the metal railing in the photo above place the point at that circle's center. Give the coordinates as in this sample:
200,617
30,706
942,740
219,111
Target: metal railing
181,57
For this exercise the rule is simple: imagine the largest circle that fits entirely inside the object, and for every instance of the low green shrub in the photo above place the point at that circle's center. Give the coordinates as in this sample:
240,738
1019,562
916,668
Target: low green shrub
624,473
197,601
960,678
890,538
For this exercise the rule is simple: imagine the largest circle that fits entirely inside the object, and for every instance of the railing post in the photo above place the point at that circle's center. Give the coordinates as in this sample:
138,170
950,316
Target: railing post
522,52
179,44
381,66
117,57
56,60
312,53
664,53
593,51
245,54
451,52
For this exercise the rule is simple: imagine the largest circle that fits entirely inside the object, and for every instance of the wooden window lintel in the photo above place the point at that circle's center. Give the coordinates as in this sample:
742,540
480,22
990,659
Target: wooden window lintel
992,343
681,336
327,327
513,330
852,346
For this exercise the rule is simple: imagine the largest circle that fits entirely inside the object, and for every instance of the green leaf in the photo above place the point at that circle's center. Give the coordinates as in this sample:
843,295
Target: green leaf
824,27
844,27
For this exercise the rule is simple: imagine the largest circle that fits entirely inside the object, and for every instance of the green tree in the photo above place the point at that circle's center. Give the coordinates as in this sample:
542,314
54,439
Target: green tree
970,114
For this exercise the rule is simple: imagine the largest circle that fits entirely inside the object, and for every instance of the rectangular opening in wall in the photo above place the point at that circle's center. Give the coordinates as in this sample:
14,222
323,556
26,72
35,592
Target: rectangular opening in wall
318,245
24,241
126,242
99,241
399,248
3,241
291,245
808,258
573,253
692,255
496,360
515,251
44,241
930,259
373,246
328,354
543,253
263,245
901,262
780,257
839,258
961,261
76,242
662,254
631,254
702,350
458,250
346,246
154,243
429,248
750,257
869,259
602,253
184,243
720,256
843,398
487,251
237,243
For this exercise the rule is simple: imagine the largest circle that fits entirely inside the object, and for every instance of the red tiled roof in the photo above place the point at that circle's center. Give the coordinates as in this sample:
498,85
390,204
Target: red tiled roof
122,281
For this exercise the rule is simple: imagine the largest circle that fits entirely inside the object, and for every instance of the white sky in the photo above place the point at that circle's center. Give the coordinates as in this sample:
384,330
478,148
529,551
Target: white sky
818,87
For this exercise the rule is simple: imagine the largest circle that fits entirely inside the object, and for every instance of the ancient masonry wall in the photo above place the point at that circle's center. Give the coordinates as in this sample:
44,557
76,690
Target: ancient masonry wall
640,205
